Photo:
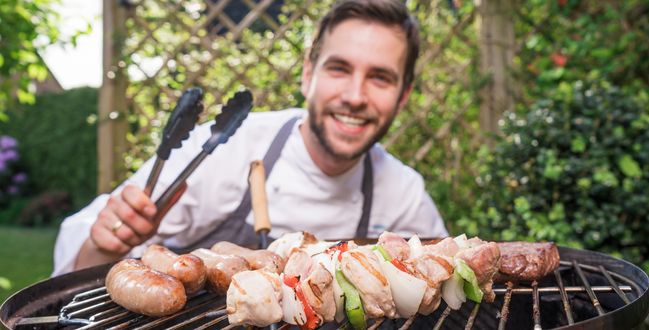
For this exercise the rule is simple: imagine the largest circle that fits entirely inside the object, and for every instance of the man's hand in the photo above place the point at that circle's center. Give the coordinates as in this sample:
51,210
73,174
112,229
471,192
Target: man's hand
125,222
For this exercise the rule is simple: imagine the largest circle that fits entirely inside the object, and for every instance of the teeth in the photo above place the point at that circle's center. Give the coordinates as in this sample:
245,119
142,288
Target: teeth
349,120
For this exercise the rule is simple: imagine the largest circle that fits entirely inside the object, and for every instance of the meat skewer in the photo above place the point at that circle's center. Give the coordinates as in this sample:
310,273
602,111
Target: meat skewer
393,278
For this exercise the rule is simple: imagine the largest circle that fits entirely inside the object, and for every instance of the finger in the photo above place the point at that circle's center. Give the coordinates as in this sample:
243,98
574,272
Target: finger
123,211
119,228
139,201
106,241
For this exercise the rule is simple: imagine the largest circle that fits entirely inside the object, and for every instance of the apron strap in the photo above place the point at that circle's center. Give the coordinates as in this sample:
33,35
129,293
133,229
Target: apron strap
235,229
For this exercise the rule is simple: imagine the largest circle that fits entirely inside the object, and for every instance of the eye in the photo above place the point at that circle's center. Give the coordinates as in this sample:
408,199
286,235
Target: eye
382,79
337,68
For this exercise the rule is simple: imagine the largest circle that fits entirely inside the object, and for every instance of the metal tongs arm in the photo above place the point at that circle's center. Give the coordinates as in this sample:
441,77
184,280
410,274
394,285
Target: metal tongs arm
181,122
226,124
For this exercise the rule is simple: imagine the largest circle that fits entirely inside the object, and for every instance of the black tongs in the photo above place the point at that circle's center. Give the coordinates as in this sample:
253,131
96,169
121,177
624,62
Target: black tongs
181,122
226,124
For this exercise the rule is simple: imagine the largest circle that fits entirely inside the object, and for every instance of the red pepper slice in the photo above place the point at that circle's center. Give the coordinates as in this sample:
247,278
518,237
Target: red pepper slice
342,247
312,320
397,263
291,281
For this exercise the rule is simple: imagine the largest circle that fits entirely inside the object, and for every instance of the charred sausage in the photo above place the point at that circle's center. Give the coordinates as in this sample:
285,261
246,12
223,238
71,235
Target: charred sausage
143,290
187,268
220,269
258,259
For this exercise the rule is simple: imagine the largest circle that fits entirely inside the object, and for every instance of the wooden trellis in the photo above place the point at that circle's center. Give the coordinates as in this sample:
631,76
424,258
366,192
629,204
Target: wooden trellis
155,49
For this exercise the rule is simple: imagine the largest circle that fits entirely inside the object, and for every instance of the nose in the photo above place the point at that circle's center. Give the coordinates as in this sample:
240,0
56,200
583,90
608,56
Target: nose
354,94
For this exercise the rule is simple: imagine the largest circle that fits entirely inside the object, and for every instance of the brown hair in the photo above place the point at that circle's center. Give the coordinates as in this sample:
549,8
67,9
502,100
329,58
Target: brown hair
388,12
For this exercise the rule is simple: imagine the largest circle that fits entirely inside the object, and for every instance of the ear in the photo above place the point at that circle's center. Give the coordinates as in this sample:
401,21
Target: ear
307,72
403,99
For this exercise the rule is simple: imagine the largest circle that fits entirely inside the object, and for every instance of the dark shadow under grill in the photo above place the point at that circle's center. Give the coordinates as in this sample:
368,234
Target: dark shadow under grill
597,291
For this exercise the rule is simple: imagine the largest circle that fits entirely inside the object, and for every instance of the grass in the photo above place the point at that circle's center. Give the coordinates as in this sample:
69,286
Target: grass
26,257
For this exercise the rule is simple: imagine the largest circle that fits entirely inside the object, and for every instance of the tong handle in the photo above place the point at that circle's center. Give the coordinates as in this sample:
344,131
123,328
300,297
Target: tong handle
257,181
153,176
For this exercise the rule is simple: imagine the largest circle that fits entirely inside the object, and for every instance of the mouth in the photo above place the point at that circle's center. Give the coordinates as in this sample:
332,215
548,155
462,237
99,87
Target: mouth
349,122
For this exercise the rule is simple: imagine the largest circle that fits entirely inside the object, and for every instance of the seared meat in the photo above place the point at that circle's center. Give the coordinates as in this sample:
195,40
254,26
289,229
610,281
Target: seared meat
434,270
288,243
395,245
484,258
299,264
360,266
254,298
258,259
220,268
446,248
524,261
318,291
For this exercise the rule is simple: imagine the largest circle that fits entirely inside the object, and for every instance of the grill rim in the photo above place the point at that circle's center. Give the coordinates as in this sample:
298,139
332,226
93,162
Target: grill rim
39,299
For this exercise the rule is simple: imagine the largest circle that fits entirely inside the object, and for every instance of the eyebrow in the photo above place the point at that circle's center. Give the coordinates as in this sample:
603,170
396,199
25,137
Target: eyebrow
334,59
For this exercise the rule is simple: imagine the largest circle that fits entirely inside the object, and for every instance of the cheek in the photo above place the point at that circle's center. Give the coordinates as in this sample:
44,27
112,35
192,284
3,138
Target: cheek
384,101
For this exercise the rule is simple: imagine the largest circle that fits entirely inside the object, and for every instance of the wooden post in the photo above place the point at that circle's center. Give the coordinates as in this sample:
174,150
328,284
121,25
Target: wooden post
496,40
112,124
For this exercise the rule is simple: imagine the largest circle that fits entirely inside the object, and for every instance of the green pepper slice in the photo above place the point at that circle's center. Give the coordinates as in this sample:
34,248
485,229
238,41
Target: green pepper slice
353,305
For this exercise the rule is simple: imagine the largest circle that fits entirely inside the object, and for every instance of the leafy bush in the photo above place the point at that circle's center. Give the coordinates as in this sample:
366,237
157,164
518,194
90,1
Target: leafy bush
575,170
58,143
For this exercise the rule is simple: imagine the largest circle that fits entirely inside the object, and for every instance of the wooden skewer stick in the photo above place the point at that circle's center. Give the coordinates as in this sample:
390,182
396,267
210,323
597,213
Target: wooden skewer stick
257,181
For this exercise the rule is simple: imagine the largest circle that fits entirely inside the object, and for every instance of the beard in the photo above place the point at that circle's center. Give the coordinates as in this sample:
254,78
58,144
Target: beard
316,123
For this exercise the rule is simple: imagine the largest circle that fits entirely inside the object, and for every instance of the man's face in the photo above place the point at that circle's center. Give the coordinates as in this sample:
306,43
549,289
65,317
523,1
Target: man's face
355,89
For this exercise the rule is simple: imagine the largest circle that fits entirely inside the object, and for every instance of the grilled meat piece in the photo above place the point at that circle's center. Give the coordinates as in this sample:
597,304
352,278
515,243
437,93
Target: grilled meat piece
318,291
258,259
285,245
525,261
254,298
484,258
220,268
361,267
395,245
434,270
299,264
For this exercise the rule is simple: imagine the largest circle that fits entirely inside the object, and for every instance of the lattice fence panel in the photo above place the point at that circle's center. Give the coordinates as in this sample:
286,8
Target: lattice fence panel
223,45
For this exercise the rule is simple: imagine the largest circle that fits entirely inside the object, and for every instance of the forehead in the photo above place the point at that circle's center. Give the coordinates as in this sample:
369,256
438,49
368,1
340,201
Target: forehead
366,42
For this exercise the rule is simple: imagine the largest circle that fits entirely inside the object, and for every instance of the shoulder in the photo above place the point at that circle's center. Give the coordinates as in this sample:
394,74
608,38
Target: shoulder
257,124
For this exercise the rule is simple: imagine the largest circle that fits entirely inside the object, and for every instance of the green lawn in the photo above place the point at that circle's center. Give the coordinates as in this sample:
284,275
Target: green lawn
25,257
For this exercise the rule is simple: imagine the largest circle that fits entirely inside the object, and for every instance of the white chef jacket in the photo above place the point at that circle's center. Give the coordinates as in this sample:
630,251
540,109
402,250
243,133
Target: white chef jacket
300,196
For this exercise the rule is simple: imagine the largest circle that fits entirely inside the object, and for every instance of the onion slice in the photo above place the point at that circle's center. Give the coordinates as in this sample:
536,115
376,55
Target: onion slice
407,290
453,291
416,248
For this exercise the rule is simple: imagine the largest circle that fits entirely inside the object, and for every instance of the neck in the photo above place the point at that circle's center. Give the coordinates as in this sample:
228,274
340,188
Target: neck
327,163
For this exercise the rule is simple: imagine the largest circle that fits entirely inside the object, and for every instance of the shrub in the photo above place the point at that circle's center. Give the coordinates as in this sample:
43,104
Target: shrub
575,170
58,143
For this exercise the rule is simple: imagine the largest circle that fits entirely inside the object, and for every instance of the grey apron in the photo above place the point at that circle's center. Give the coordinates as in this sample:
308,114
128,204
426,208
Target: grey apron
235,229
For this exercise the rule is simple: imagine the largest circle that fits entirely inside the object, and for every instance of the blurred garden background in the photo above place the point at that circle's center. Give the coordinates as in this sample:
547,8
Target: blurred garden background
529,119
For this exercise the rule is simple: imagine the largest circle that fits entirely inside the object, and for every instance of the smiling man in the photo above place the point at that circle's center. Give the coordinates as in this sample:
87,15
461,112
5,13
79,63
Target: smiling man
329,175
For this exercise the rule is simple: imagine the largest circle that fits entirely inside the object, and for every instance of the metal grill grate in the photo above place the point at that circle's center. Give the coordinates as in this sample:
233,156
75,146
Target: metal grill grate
572,284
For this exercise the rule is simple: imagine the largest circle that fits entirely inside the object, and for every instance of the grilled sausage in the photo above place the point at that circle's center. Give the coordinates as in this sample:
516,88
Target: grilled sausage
220,269
258,259
143,290
187,268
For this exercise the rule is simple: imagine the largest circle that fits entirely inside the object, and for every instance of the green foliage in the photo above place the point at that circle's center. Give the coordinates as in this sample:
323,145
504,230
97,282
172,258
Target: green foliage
25,28
572,40
575,170
57,142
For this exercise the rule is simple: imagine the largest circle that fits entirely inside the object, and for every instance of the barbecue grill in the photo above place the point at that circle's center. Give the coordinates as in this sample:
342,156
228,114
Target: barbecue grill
589,290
